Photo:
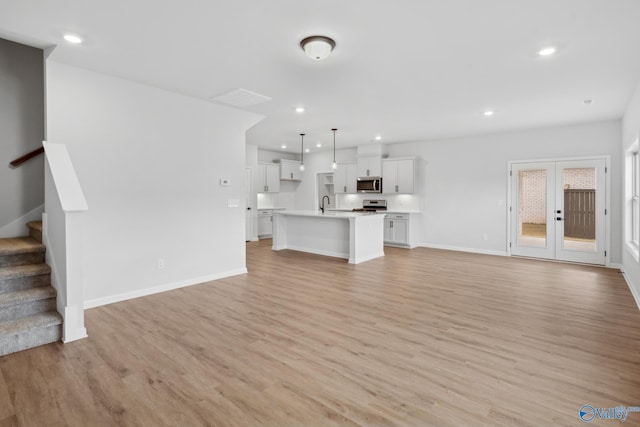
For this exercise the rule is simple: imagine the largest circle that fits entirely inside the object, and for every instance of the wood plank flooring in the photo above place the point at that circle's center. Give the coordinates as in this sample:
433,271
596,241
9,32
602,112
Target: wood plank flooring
420,337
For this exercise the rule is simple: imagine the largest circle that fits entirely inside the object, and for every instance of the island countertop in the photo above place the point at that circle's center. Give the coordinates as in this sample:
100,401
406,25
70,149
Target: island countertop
329,214
356,236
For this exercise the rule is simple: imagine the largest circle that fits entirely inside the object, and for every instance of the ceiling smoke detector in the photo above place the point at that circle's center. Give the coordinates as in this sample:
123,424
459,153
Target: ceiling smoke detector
317,47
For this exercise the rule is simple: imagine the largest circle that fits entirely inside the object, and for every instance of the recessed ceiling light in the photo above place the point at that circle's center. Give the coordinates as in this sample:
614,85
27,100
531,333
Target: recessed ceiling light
299,109
547,51
378,137
284,146
72,38
318,145
488,113
306,150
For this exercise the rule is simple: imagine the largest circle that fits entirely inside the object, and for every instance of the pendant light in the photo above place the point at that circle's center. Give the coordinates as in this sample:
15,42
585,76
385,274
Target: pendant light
302,152
334,165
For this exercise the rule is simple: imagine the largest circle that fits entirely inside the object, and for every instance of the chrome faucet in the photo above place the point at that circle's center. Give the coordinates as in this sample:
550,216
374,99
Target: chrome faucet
322,204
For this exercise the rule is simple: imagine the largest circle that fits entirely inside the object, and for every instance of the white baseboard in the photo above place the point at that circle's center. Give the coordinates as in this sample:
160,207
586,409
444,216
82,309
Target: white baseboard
365,258
632,288
18,227
460,249
161,288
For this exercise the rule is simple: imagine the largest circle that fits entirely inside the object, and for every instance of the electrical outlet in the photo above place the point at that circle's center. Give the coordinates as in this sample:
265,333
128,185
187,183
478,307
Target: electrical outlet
160,263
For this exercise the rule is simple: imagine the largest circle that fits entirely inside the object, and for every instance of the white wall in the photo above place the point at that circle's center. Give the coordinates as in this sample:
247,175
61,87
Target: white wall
149,162
464,178
630,130
21,131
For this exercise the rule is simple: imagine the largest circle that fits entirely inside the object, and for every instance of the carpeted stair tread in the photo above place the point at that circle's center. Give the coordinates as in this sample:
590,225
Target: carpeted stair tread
27,270
20,245
40,320
28,295
36,225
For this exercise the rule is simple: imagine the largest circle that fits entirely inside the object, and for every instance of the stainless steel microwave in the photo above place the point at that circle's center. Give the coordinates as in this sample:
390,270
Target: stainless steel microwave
369,184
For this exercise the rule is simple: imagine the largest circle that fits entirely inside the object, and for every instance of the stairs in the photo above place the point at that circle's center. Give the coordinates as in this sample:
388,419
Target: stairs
28,316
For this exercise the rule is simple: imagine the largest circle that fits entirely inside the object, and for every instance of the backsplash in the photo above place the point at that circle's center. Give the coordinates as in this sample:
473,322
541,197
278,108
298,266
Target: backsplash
395,202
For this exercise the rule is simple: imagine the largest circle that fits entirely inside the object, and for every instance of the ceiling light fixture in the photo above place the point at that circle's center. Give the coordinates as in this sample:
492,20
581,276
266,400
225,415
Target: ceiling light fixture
306,150
72,38
547,51
334,165
284,146
317,47
318,145
488,113
378,137
302,152
299,109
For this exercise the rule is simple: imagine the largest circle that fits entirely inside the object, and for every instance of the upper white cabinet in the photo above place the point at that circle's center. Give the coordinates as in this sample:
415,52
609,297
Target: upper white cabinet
290,170
344,180
398,175
369,166
268,178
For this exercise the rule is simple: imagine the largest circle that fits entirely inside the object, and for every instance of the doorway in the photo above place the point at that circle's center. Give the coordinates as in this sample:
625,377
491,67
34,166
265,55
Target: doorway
558,210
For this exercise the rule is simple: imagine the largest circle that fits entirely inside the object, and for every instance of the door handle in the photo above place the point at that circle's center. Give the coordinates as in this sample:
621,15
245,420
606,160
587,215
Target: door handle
249,208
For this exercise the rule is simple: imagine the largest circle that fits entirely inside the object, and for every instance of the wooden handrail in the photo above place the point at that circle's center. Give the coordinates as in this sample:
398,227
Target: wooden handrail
20,160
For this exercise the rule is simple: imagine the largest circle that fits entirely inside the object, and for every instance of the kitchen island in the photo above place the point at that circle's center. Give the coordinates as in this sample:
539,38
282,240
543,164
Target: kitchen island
356,236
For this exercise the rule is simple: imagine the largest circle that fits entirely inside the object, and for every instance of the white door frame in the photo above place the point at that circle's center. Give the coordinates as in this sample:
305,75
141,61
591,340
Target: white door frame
250,203
607,201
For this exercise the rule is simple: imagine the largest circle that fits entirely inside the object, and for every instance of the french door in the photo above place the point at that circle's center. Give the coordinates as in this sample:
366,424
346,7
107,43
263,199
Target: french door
558,210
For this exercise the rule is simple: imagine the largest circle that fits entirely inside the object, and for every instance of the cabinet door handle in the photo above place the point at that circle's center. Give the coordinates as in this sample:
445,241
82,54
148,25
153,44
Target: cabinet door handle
291,175
367,172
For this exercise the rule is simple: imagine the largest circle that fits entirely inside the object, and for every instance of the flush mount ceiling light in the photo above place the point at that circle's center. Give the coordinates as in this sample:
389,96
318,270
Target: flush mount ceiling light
72,38
317,47
547,51
334,165
302,152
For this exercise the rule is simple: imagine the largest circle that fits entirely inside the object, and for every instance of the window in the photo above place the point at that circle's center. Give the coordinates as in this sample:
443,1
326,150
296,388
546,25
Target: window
632,187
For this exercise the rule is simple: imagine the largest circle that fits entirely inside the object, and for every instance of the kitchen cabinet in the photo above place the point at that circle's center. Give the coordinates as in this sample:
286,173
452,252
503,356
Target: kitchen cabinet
265,223
268,178
398,175
369,166
290,170
396,230
344,179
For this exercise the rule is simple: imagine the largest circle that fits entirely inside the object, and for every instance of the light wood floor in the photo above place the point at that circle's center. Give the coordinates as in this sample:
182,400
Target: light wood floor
420,337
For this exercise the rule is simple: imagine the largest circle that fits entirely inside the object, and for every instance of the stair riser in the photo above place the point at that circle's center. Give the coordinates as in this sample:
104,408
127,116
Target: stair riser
22,283
29,339
22,259
27,309
36,234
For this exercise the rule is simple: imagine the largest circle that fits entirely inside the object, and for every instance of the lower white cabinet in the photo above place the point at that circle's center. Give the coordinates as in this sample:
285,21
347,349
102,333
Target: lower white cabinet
396,230
265,223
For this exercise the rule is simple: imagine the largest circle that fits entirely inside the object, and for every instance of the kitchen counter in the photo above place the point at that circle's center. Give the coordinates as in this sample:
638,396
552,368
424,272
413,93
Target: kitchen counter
394,211
356,236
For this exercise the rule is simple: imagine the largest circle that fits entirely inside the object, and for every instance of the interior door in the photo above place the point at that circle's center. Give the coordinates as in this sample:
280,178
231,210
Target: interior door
557,210
249,215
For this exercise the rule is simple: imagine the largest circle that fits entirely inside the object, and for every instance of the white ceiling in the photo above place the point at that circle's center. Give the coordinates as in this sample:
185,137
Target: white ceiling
405,69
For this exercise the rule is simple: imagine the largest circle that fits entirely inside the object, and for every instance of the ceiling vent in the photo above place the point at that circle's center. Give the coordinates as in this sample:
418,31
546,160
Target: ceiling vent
241,98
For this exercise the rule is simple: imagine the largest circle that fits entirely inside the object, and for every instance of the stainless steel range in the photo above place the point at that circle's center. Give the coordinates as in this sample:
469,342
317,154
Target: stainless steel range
372,206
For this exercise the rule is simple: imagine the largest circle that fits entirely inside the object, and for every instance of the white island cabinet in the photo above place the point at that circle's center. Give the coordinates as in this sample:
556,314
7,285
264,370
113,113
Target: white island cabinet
355,236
